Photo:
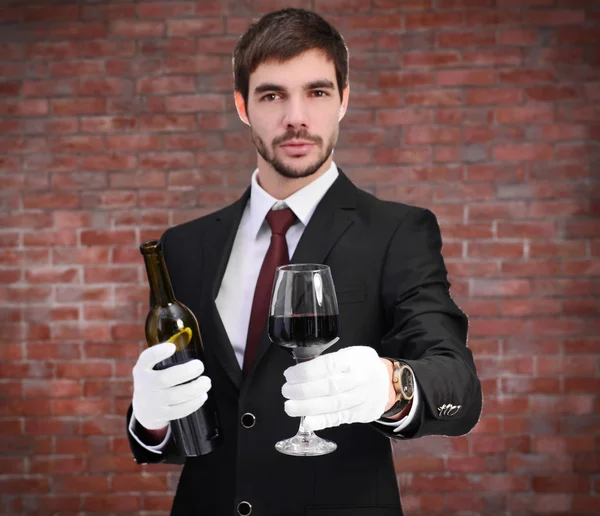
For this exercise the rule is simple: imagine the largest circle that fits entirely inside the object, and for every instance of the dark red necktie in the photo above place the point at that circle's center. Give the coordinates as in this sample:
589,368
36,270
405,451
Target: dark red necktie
277,254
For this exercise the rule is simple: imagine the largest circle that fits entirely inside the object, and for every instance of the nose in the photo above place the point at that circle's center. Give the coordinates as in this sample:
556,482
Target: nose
296,115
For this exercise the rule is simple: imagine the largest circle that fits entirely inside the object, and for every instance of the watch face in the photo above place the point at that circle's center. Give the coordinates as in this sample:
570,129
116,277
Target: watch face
406,380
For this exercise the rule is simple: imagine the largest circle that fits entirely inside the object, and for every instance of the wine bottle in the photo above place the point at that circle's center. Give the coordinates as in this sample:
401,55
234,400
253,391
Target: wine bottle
170,321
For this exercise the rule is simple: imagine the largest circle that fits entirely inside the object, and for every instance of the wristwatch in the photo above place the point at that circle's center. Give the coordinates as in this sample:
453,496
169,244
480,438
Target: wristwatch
403,380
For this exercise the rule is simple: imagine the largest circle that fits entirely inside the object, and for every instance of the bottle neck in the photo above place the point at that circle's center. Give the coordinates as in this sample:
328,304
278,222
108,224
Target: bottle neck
158,277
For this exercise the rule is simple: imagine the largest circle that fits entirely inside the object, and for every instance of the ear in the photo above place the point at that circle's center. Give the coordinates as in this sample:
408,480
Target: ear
240,105
344,106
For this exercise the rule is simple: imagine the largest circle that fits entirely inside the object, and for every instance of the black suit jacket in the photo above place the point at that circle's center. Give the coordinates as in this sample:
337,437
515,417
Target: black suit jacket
392,290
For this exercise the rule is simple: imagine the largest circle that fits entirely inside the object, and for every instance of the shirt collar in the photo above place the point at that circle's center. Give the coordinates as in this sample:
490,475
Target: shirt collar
303,202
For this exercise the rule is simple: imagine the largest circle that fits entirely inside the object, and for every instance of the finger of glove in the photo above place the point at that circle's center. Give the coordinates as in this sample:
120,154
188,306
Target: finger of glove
315,423
328,386
180,373
189,391
341,361
155,354
325,405
186,408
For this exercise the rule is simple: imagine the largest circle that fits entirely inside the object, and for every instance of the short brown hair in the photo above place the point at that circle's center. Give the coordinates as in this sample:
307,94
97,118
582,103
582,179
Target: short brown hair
282,35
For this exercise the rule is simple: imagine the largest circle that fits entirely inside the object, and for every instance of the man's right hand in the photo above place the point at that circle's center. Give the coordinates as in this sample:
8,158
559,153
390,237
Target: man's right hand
158,396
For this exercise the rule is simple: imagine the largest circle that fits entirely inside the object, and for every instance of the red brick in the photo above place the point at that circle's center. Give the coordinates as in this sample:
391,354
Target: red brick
497,327
390,21
465,38
465,77
195,27
528,114
443,97
523,152
79,106
163,9
114,502
76,144
76,69
587,504
402,155
103,48
495,96
503,288
200,64
430,59
107,124
137,29
77,31
421,135
521,37
108,11
530,268
555,93
583,229
166,85
83,484
492,18
581,386
133,142
402,79
415,21
527,76
24,485
495,58
540,464
154,502
48,50
394,117
526,230
83,370
167,123
554,17
495,250
108,162
108,237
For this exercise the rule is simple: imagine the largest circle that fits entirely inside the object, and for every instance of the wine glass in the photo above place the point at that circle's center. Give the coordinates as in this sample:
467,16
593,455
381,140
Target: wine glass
304,320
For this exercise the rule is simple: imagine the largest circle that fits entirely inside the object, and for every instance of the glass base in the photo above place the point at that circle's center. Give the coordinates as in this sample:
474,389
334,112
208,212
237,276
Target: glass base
305,444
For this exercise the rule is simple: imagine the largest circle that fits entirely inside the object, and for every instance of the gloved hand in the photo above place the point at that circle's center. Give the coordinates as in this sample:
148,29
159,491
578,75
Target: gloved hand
349,386
157,396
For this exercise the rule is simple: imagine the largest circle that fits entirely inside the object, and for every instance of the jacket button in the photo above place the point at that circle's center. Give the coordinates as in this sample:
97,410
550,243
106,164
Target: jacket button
248,421
244,509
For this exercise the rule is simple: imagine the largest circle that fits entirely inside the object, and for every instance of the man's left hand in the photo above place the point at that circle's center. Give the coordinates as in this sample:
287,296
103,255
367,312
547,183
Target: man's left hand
349,386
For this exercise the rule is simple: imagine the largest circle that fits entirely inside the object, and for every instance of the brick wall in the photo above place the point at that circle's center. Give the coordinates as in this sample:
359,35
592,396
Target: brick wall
117,120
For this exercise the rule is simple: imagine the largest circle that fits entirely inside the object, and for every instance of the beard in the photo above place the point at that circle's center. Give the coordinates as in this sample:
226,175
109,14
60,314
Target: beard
291,171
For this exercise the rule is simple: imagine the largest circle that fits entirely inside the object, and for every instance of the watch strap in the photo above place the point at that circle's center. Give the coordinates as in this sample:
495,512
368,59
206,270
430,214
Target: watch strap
402,401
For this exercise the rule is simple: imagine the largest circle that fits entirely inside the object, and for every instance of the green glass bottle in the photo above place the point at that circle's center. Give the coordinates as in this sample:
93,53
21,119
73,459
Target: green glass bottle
170,321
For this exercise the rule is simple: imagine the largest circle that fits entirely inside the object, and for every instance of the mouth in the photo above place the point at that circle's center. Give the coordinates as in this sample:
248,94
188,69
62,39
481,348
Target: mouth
297,147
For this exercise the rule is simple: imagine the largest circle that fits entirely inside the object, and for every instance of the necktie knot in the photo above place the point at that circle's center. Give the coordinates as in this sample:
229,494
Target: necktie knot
280,220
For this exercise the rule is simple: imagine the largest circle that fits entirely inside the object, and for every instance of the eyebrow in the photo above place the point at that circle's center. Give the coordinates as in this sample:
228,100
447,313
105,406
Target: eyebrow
269,86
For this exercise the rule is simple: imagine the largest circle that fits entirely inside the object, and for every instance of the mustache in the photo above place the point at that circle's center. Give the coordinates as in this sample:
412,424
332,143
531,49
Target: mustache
297,135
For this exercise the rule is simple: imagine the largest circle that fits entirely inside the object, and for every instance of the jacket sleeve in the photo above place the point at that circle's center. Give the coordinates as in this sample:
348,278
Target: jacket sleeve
428,331
142,455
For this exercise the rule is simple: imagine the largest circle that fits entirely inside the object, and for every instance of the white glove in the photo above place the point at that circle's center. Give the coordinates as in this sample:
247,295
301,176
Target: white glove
157,396
349,386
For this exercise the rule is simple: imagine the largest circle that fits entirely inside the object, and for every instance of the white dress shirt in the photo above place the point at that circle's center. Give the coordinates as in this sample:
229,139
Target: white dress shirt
252,240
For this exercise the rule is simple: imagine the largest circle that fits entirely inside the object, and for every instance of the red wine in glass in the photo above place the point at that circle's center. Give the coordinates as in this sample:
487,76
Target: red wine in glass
304,336
304,320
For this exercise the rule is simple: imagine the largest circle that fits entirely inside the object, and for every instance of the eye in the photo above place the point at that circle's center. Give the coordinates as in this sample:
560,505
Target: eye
269,97
320,93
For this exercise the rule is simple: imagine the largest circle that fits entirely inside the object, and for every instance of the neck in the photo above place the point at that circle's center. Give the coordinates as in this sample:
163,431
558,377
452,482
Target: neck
282,187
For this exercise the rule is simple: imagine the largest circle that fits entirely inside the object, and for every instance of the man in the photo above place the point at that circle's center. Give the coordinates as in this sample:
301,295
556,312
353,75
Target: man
291,89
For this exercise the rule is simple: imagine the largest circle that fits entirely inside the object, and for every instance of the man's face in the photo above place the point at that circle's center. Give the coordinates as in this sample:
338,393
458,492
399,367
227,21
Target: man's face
294,112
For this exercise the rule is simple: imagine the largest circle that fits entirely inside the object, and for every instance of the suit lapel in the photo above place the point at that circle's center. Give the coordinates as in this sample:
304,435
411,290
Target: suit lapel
216,255
334,215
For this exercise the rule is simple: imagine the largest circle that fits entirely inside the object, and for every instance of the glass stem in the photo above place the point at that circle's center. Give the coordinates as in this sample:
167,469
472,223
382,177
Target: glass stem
303,434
